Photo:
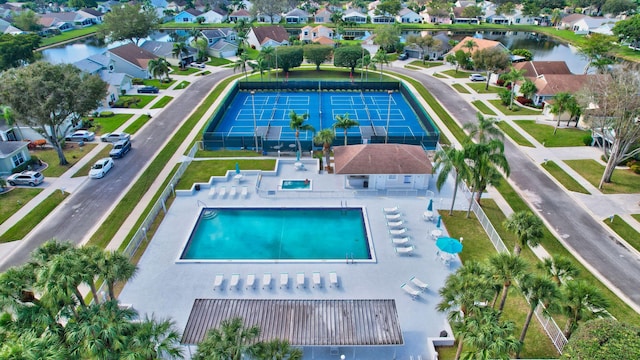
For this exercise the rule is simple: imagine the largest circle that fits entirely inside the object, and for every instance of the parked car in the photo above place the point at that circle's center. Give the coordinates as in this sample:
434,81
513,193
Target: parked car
114,137
120,149
403,56
198,65
31,178
148,90
101,168
477,77
81,135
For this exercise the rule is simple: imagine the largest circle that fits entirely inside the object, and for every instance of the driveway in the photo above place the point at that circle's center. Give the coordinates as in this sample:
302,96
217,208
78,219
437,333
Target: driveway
84,208
582,233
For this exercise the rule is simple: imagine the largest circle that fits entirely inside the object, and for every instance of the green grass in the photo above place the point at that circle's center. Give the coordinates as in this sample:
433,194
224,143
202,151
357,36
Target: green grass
626,231
137,124
202,171
162,102
517,110
460,74
110,226
72,152
33,218
68,35
103,125
84,171
186,71
226,153
14,200
144,100
483,107
544,134
622,182
461,89
159,84
426,65
636,216
182,85
439,76
479,87
513,134
565,179
218,62
325,74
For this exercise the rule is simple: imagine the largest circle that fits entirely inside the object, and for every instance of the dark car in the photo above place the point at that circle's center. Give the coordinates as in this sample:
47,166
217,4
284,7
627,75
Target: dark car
120,149
403,56
148,90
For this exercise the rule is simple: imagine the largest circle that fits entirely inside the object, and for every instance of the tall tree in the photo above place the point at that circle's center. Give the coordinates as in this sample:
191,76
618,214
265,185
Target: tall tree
260,65
559,268
44,96
129,22
470,45
486,160
381,59
230,341
425,43
484,128
297,123
506,268
488,337
387,37
514,75
154,339
27,21
318,54
388,8
538,290
472,12
159,67
241,64
562,101
617,7
528,88
345,123
447,160
595,49
347,56
180,51
527,227
115,267
289,57
325,137
628,30
491,60
581,301
270,8
18,50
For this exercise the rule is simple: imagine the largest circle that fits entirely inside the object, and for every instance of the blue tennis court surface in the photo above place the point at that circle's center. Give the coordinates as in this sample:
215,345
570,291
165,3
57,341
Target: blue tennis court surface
371,109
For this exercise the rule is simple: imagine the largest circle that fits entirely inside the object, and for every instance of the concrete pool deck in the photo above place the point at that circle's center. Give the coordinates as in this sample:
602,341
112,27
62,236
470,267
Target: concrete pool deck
168,289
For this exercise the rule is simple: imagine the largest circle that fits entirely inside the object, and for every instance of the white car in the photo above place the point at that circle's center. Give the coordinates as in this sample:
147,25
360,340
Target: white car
80,135
101,168
477,77
115,137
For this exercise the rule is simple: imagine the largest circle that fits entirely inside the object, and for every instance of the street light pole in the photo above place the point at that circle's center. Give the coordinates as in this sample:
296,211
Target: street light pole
255,127
386,133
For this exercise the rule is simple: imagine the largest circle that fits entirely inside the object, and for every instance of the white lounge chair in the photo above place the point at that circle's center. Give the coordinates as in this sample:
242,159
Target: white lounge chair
233,192
300,280
407,250
223,192
393,217
212,192
235,280
395,224
244,192
391,210
397,232
284,280
333,279
419,283
251,281
400,241
427,215
317,280
217,281
411,291
266,281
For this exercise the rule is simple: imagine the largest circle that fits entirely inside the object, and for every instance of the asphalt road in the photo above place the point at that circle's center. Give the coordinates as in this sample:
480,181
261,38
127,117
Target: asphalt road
73,221
573,223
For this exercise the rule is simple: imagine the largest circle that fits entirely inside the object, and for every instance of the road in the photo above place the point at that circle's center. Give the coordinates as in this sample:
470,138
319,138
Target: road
585,235
73,221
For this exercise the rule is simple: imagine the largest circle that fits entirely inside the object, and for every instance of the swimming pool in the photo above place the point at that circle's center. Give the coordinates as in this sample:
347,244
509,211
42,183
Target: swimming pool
279,234
295,184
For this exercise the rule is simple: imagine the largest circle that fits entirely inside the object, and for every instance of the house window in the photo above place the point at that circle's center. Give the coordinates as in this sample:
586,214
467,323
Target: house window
392,177
407,179
306,33
17,159
518,21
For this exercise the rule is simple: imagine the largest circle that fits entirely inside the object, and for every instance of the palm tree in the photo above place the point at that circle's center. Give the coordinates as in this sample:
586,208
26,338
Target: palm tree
116,267
380,58
560,268
484,127
7,114
527,227
513,76
325,137
230,341
277,349
63,276
528,88
561,103
506,268
261,65
556,16
447,160
296,123
159,67
241,64
581,301
489,337
538,290
180,51
485,159
345,123
574,112
469,45
154,339
90,258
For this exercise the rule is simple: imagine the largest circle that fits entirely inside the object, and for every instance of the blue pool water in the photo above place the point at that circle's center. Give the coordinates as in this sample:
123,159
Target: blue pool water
278,234
296,184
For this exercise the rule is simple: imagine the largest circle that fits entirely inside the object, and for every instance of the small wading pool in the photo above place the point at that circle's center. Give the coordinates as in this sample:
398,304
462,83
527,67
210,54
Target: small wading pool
295,184
279,234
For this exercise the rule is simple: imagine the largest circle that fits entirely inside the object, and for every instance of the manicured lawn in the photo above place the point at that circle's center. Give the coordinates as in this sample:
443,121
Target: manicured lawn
439,76
513,134
182,85
72,152
186,71
33,218
218,61
517,110
14,200
226,153
460,74
202,171
84,171
623,181
426,65
68,35
461,89
103,125
159,84
323,74
626,231
479,87
144,100
162,102
483,107
137,124
544,134
636,216
565,179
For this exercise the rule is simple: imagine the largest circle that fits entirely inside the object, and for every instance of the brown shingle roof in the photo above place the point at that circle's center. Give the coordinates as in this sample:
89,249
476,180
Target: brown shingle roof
536,68
555,83
481,44
134,54
381,159
275,32
570,19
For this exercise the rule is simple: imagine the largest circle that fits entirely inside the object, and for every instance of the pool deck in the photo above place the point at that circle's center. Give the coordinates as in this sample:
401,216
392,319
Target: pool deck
168,289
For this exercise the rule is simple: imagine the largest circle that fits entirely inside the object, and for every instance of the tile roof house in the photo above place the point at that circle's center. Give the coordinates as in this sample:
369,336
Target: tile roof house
458,18
480,45
297,16
131,59
429,18
549,85
238,15
259,37
568,21
322,16
310,34
533,69
383,166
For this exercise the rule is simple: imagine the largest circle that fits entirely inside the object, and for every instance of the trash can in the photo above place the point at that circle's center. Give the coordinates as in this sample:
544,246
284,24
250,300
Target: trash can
365,184
197,187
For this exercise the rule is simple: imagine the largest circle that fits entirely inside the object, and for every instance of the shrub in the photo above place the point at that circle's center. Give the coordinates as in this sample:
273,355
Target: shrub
106,114
26,165
587,140
524,101
505,96
635,168
500,82
137,81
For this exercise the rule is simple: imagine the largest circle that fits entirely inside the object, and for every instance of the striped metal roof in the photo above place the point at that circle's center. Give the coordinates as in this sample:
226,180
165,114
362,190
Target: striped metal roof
302,322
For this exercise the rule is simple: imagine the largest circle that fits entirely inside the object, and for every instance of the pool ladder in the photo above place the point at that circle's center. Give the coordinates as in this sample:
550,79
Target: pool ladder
349,259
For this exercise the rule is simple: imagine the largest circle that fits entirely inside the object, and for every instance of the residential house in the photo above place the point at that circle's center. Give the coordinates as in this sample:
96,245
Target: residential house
103,66
270,19
458,18
222,42
587,24
323,40
188,16
107,6
275,35
429,18
162,4
9,133
52,24
408,16
12,155
383,166
533,69
296,16
92,14
7,28
214,16
322,16
353,16
464,4
238,15
310,34
176,6
131,59
164,49
604,29
551,84
480,45
568,21
381,18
